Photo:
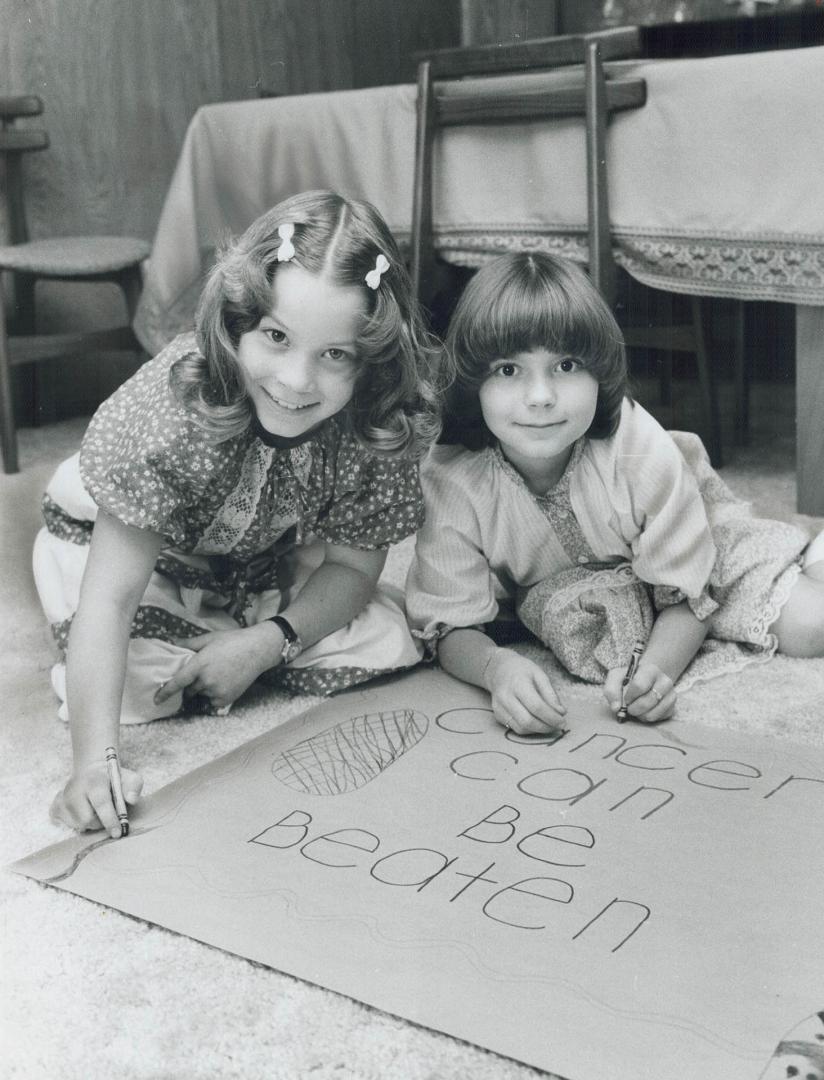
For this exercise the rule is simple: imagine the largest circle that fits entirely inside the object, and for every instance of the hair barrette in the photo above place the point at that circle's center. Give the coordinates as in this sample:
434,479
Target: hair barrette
373,278
287,248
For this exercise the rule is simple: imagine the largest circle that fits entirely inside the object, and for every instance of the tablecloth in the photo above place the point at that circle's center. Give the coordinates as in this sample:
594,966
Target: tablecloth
715,185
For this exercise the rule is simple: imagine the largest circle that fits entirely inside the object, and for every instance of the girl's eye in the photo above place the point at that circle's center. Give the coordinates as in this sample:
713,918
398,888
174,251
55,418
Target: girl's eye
568,365
342,361
275,335
507,370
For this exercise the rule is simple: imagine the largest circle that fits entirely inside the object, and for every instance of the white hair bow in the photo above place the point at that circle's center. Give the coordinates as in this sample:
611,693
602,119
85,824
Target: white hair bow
287,248
373,278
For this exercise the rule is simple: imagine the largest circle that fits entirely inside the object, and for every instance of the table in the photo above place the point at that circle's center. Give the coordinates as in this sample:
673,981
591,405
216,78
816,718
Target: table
715,189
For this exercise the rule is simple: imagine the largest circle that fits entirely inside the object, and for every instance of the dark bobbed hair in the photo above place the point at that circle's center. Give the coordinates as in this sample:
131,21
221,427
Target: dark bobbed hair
519,303
394,405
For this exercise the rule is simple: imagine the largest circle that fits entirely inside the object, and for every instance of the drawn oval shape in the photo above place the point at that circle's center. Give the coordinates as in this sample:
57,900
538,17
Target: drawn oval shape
347,756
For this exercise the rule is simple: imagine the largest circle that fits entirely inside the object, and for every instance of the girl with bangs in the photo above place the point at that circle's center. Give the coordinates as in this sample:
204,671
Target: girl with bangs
231,507
559,505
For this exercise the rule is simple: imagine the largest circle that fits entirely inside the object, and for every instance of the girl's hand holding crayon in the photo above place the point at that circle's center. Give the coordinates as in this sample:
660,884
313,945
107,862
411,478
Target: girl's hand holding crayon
87,801
523,698
649,696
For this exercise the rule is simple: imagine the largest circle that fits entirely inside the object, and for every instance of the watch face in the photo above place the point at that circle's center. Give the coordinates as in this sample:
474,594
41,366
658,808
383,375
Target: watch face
292,645
291,649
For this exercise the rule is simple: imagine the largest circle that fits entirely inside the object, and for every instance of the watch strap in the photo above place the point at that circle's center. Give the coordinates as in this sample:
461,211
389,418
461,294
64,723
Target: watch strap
286,628
292,644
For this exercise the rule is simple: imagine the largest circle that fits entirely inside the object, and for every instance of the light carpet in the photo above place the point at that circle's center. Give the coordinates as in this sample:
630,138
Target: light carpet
88,993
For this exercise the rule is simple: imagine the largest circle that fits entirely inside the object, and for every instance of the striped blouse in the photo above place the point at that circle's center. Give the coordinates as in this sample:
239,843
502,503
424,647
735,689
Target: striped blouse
644,496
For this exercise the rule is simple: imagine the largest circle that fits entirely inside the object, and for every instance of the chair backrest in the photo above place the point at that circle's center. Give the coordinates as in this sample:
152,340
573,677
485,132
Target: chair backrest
14,142
581,87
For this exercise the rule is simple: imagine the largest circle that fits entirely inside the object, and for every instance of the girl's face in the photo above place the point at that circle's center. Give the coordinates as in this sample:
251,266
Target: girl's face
537,404
300,364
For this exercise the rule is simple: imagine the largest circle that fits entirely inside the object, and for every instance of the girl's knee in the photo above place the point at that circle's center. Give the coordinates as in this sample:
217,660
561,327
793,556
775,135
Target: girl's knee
800,626
58,567
814,558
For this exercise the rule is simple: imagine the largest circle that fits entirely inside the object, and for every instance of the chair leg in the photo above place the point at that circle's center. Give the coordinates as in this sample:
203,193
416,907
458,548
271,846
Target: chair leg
665,378
741,376
665,364
706,382
8,431
131,283
43,396
422,255
23,320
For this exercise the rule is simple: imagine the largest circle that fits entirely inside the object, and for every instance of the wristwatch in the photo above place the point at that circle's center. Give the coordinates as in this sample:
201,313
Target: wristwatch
292,645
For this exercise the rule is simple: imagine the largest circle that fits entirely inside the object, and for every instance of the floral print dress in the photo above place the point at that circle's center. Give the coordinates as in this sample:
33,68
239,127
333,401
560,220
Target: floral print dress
244,521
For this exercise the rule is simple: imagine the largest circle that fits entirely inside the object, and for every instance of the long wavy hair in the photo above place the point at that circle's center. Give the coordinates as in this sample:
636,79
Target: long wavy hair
519,303
393,409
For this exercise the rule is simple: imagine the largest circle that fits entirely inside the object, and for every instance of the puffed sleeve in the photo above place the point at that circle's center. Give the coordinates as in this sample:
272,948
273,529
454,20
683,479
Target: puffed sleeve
672,546
377,501
450,583
142,459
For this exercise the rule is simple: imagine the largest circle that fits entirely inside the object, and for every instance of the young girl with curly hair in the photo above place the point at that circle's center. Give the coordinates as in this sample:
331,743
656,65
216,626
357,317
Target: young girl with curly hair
230,510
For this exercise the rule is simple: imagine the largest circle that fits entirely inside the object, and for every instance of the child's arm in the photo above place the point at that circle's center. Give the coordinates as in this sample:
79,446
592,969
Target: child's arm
334,594
119,565
523,698
676,637
229,661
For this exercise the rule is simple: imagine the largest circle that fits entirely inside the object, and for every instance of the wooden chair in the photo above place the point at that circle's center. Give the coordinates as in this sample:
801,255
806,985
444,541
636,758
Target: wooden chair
67,258
582,88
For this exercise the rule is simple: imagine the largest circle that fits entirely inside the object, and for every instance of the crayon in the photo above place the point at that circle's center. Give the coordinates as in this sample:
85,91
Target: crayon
117,790
632,667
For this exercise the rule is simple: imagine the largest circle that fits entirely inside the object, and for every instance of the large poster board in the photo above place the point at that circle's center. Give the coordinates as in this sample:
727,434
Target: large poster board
622,901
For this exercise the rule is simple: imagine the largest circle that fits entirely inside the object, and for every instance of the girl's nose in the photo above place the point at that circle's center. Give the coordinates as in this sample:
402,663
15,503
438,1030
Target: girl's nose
540,391
297,372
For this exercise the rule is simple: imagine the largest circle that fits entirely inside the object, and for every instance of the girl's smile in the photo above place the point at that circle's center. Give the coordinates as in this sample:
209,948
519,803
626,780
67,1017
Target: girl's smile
301,362
284,404
537,404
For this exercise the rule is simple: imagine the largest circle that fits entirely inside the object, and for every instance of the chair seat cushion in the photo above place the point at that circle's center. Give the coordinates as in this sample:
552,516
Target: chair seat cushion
67,256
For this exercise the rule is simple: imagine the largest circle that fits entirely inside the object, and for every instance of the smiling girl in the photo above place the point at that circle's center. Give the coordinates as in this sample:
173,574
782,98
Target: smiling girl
565,507
232,504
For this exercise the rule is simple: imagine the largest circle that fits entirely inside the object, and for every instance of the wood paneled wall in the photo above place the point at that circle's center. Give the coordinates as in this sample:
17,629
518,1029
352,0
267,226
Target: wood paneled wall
299,46
120,82
488,21
121,79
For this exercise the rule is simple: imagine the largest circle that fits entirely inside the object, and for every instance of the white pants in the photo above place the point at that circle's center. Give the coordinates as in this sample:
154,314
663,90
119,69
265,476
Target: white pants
376,641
